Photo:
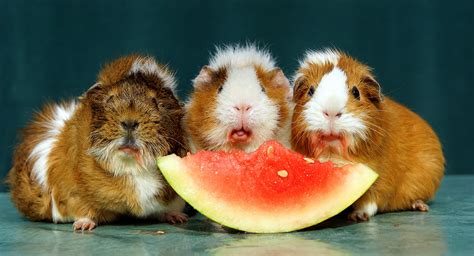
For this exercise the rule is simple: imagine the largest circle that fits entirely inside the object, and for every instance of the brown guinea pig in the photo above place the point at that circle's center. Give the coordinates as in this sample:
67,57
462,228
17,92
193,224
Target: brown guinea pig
91,160
240,100
341,115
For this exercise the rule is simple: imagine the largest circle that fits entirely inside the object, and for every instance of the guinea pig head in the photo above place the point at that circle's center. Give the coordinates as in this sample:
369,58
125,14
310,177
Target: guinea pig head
337,105
237,107
135,115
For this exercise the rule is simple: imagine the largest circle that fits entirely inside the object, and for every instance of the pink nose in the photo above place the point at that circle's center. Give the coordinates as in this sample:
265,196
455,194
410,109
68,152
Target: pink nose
243,108
332,115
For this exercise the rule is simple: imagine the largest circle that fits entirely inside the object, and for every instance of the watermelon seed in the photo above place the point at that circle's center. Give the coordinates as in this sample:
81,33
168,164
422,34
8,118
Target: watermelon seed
270,151
282,173
309,160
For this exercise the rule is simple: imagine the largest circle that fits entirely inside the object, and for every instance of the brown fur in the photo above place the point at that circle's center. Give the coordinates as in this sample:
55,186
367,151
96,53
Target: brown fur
82,184
276,93
199,116
401,147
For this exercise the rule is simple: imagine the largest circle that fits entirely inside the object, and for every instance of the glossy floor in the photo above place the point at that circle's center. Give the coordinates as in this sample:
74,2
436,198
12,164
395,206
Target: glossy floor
447,229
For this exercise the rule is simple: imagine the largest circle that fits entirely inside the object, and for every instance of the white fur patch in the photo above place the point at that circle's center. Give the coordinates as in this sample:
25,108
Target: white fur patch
243,87
147,186
241,56
331,96
149,66
320,57
370,209
57,216
332,93
41,151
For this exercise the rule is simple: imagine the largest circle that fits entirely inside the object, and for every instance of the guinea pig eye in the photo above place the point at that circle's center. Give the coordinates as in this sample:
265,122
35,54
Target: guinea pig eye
263,89
355,93
220,89
311,91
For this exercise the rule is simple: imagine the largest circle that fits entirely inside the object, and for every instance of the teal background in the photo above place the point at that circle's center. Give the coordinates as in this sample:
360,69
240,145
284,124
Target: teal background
422,51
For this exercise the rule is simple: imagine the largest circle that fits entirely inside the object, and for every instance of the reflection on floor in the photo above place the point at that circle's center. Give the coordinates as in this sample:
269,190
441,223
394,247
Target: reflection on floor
447,229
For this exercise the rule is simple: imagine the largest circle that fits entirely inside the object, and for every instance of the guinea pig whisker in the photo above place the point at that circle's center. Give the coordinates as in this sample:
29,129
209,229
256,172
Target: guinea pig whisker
374,127
380,133
175,140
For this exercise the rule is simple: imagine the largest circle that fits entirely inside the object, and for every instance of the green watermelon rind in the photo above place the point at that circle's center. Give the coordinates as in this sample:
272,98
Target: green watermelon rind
358,181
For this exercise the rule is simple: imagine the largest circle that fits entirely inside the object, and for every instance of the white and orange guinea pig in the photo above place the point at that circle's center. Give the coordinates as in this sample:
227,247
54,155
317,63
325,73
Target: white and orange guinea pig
240,100
92,160
341,115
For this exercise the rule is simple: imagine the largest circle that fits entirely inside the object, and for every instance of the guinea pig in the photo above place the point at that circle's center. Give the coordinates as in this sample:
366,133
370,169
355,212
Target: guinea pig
341,115
92,160
240,100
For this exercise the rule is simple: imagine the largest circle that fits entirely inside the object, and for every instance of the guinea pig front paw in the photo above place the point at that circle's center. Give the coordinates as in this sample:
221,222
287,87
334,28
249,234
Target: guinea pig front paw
419,205
358,216
83,224
175,217
363,211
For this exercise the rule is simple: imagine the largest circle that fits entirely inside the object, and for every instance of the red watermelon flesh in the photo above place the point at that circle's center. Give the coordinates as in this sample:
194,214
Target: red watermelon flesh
270,190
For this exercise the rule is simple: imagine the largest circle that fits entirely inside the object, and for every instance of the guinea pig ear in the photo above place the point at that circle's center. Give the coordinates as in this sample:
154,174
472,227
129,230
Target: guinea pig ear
278,79
376,95
204,77
94,87
298,84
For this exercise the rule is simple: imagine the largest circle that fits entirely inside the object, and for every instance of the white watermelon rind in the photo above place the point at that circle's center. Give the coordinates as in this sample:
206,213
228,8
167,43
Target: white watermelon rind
177,174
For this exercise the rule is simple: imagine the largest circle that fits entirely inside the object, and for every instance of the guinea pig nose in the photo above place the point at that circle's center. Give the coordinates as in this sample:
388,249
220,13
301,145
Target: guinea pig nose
332,115
129,125
243,107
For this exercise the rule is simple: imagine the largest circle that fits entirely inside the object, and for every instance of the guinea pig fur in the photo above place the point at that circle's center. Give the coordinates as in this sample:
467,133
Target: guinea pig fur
91,160
240,100
341,115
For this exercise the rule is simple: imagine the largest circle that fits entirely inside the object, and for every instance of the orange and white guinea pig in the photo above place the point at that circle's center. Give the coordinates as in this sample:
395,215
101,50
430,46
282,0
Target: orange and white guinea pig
240,100
341,115
91,160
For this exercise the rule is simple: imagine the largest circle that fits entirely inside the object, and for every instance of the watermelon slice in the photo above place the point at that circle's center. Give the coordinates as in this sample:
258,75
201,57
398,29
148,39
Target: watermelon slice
270,190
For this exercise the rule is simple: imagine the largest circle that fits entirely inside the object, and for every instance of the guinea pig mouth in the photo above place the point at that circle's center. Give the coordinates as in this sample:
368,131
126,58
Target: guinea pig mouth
129,150
129,146
133,152
331,137
239,136
320,142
